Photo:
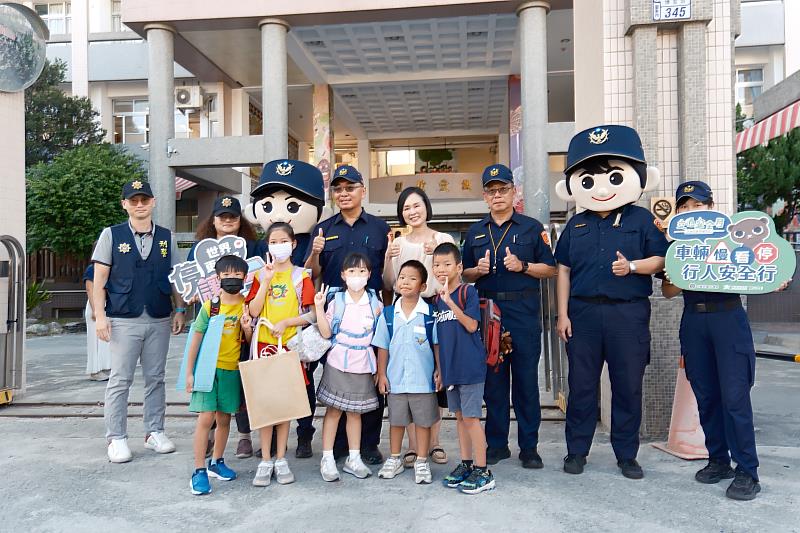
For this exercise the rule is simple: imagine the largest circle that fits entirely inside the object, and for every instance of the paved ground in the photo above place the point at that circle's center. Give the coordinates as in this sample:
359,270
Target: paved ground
56,476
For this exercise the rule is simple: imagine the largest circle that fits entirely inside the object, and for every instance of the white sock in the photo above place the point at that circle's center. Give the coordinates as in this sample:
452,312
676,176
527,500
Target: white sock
355,454
327,453
266,462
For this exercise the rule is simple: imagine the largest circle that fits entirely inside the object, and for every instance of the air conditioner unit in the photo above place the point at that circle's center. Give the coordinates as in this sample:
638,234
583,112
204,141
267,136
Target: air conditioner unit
189,97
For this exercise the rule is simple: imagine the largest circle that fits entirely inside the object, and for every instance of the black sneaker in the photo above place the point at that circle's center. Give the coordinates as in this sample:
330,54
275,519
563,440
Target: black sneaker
454,478
530,458
303,450
573,463
630,469
372,455
743,487
495,455
479,480
714,472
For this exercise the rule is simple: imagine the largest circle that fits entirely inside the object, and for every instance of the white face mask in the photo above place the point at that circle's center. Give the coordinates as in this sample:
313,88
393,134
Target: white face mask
356,283
281,251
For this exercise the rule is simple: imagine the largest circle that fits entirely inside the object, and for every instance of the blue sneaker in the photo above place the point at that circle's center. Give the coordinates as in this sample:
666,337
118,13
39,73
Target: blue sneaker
478,481
199,483
220,470
454,478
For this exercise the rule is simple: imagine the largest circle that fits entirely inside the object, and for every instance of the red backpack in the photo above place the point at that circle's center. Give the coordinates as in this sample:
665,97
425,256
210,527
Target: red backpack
489,326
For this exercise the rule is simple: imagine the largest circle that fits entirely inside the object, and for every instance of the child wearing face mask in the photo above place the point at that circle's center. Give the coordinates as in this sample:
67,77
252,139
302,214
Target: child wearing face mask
348,381
282,294
224,397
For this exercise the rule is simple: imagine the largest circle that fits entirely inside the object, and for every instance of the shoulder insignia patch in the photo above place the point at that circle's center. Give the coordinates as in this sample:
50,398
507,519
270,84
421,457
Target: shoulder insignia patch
546,238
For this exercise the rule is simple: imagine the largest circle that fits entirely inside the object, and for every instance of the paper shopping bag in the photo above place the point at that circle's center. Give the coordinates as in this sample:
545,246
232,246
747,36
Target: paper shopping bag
274,388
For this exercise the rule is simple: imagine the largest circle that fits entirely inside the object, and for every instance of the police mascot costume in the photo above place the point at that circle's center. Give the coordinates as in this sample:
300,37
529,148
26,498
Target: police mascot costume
289,191
293,192
607,255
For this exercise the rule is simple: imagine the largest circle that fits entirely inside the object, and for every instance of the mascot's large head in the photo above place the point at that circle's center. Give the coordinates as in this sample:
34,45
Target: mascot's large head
289,191
606,169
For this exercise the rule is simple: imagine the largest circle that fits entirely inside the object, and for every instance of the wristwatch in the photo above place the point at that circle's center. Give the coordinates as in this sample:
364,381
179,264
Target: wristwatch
524,267
632,266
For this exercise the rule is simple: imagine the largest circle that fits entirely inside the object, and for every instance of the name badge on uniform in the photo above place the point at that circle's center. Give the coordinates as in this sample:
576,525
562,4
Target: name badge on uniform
332,237
579,225
420,330
480,236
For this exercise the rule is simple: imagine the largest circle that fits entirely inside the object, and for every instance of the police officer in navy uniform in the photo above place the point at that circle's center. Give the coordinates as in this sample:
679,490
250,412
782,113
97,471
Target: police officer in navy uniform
606,255
506,254
351,230
132,302
718,351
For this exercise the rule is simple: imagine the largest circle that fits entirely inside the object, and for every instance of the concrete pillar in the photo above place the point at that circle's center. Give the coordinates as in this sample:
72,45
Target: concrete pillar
645,90
79,62
503,149
161,93
363,155
240,113
274,100
692,101
324,158
303,149
533,70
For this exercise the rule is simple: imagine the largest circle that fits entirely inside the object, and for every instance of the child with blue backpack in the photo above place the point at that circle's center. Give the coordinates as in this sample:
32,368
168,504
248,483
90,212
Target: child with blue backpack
348,383
408,368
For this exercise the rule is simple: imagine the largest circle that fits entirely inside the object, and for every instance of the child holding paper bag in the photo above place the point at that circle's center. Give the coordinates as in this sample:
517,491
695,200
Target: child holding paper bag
224,398
280,297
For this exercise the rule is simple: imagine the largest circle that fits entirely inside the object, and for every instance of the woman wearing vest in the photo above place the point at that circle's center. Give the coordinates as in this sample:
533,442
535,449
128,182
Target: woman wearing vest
132,305
226,219
414,211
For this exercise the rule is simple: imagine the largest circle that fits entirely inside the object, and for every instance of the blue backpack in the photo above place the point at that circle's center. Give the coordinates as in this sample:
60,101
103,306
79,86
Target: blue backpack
336,295
430,322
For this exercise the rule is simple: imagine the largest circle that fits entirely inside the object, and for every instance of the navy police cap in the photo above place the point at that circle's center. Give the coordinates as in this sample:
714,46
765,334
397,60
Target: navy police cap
227,204
348,173
497,172
610,140
132,188
290,174
698,190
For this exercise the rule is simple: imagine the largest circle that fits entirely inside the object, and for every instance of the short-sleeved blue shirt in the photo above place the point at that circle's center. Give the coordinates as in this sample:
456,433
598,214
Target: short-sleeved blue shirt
525,238
88,274
589,245
367,235
461,354
411,360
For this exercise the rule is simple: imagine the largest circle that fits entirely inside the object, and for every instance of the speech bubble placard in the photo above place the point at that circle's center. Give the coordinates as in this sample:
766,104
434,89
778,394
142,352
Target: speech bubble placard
742,254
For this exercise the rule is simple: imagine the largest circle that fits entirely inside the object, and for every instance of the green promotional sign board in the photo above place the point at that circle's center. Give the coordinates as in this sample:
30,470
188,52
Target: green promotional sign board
742,254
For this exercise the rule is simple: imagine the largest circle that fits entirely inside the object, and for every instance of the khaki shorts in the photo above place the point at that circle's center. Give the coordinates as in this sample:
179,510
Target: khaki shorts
421,409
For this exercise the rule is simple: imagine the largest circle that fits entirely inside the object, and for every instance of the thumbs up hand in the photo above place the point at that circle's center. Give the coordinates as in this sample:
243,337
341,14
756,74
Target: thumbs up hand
484,264
394,247
512,262
430,245
621,267
318,244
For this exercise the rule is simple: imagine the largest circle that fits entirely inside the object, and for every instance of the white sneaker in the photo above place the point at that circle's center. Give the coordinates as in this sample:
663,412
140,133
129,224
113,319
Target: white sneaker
159,442
283,475
327,467
118,451
263,474
357,468
392,467
422,472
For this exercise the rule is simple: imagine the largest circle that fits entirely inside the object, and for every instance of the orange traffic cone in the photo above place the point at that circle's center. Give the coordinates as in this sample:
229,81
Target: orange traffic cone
686,438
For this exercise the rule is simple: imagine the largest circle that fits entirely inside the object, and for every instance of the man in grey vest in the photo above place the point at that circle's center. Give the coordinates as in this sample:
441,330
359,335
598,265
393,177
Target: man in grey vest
132,302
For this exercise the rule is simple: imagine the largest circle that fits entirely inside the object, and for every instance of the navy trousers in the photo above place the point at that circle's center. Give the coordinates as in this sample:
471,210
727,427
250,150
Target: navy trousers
720,365
517,377
619,335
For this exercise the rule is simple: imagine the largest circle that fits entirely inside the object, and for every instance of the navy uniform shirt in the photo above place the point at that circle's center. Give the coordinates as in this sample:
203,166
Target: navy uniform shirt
367,235
589,244
524,236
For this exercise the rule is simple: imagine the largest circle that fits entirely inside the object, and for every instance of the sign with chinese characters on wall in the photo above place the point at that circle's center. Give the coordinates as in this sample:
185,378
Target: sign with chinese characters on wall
198,278
742,254
438,186
672,9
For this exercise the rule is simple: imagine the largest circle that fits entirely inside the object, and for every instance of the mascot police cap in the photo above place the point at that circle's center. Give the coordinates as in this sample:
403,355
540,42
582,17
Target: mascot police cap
290,174
611,140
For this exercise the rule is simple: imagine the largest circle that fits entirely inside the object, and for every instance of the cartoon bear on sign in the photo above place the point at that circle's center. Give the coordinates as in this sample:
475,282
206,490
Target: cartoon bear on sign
750,232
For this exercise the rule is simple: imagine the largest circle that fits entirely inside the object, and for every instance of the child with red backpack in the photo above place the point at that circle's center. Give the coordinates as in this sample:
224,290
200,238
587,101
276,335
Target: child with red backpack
282,294
407,368
463,368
